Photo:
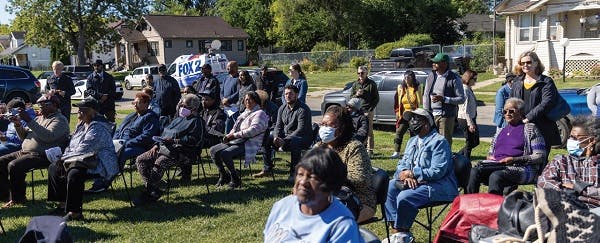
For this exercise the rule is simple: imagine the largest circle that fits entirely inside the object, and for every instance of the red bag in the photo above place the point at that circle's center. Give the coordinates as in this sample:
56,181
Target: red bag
466,210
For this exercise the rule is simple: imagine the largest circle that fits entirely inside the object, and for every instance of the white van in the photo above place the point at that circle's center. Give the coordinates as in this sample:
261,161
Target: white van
188,68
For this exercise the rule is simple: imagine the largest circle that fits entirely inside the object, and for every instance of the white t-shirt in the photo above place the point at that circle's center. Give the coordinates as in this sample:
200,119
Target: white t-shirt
286,223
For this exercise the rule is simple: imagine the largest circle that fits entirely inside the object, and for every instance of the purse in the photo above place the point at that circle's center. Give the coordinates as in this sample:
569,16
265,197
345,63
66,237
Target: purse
516,213
87,161
560,109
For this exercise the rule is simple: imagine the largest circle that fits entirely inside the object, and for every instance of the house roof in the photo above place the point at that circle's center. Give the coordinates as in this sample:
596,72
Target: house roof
516,6
11,51
171,26
130,35
18,34
481,23
4,41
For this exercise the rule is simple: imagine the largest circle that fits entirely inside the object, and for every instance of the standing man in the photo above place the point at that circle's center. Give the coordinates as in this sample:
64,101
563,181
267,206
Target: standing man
101,86
293,131
166,92
267,83
366,89
442,95
62,86
208,84
229,94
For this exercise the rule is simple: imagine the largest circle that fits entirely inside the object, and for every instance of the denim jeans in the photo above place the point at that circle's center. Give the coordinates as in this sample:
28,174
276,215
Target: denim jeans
402,206
8,148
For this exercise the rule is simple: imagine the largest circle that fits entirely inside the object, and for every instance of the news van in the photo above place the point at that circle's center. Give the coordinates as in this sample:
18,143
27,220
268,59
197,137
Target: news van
188,68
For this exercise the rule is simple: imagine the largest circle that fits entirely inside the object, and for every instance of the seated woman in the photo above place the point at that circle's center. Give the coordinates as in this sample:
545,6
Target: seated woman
11,141
178,145
579,169
92,134
516,155
336,132
245,138
360,122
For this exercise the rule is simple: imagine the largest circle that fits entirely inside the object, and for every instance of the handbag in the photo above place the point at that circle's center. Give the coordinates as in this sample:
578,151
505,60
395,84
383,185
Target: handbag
516,213
350,200
560,109
87,161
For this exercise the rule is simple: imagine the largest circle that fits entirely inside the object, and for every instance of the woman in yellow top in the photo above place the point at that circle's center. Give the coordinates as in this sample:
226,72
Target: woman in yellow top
407,98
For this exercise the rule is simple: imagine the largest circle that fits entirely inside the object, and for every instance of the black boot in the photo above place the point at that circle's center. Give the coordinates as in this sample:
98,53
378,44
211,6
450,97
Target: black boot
236,181
224,178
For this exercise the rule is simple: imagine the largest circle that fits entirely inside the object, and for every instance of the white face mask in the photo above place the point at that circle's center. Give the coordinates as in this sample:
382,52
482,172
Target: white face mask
184,112
327,134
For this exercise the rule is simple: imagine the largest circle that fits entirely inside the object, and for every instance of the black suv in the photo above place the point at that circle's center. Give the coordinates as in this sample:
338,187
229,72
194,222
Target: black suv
18,82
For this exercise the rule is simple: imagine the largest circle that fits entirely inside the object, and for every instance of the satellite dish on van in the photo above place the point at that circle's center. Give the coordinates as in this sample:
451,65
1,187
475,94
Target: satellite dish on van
216,44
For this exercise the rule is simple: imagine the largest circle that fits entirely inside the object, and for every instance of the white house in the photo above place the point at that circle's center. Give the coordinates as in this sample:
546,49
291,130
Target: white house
21,54
543,25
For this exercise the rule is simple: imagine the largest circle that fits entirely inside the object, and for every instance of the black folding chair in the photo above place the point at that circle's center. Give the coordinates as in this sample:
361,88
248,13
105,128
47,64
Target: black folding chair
380,183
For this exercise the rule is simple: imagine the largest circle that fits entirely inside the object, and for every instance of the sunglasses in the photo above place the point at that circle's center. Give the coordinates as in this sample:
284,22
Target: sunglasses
509,111
527,62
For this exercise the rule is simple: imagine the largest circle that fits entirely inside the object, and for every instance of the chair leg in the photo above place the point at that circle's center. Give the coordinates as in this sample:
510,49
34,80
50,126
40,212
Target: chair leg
204,174
126,189
2,227
385,220
32,188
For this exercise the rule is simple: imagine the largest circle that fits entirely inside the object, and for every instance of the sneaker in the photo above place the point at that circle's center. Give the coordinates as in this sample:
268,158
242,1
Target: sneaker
95,189
396,155
400,237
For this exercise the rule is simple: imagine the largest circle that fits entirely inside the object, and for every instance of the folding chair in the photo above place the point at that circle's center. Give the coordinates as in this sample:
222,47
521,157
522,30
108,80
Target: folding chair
380,183
32,182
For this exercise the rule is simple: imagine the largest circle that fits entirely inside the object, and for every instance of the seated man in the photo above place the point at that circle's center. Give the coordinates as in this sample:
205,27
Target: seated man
49,130
178,146
312,213
516,156
359,120
293,131
10,140
579,169
214,118
135,134
425,174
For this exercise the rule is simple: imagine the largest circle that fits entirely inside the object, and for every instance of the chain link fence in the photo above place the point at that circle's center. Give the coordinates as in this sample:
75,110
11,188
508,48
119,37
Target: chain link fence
318,57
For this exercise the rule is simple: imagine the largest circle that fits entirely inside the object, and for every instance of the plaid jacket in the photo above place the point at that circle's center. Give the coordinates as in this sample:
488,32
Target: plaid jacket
565,169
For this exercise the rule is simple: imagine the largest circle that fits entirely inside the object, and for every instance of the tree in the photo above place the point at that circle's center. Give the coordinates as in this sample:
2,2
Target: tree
71,25
184,7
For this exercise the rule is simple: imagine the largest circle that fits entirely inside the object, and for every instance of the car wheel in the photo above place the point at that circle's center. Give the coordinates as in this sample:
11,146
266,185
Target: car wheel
128,85
564,129
17,95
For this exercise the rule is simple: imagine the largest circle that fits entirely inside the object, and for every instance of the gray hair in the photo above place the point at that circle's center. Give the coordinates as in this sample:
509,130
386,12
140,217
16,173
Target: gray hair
517,102
591,126
192,100
57,63
364,69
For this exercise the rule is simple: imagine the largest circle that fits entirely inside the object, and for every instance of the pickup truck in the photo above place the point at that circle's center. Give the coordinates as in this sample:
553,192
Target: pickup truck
414,57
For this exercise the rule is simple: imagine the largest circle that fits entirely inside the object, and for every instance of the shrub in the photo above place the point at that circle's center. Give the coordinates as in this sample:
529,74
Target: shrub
595,72
578,73
332,62
308,65
482,58
554,73
327,46
356,62
410,40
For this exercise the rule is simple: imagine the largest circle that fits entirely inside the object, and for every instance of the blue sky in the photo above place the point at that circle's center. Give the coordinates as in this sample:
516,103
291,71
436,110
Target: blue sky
5,17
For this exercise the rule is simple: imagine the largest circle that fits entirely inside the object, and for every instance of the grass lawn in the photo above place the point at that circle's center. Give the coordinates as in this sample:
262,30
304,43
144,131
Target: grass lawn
192,214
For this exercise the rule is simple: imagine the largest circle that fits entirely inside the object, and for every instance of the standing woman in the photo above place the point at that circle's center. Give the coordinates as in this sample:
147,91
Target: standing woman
407,98
299,80
467,113
501,96
245,84
539,93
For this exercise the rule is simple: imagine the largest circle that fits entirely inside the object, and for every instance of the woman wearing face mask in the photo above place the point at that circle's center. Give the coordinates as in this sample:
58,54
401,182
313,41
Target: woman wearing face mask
579,169
177,145
336,132
245,138
516,155
407,98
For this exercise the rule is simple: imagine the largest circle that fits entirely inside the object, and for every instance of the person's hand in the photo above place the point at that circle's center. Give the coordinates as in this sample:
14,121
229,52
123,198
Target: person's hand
507,160
228,138
411,183
154,151
525,120
103,98
277,142
472,128
436,98
23,115
568,185
359,92
490,157
2,137
225,101
406,174
60,92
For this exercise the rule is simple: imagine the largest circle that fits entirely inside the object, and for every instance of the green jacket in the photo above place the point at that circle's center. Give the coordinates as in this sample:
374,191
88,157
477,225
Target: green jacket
370,94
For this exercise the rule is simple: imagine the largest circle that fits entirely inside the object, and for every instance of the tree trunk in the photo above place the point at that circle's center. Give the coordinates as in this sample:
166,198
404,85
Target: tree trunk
81,60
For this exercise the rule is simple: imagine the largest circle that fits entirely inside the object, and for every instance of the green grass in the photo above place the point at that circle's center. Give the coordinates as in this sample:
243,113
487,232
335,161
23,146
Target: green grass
570,83
192,214
320,80
485,76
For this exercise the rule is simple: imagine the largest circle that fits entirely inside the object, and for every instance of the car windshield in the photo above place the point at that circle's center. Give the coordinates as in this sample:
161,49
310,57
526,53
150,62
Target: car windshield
45,75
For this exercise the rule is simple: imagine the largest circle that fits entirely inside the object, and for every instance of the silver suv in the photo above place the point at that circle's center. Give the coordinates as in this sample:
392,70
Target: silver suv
137,78
387,83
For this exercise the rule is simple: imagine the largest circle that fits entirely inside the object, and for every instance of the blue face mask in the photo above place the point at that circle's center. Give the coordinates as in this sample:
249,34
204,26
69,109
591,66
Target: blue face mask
574,148
327,134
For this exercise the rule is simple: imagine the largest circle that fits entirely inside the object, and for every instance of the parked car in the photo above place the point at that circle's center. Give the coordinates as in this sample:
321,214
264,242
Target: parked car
387,83
80,87
78,69
43,77
137,78
18,82
576,98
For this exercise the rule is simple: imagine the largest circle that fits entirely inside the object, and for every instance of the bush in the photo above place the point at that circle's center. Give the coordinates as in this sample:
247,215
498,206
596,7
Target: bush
482,58
356,62
578,73
332,62
554,73
595,72
410,40
308,65
327,46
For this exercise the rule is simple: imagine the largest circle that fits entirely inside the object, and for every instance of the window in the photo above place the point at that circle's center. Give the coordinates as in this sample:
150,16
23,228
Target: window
390,84
529,29
226,45
240,45
168,44
153,48
591,27
553,24
201,46
138,72
189,44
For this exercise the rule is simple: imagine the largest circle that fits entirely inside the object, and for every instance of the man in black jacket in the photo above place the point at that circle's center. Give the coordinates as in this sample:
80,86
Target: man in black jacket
293,131
208,83
214,118
166,92
101,86
61,85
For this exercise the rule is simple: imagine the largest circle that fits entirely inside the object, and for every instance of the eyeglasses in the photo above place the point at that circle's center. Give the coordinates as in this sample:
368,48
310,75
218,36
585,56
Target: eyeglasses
360,73
508,111
526,62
